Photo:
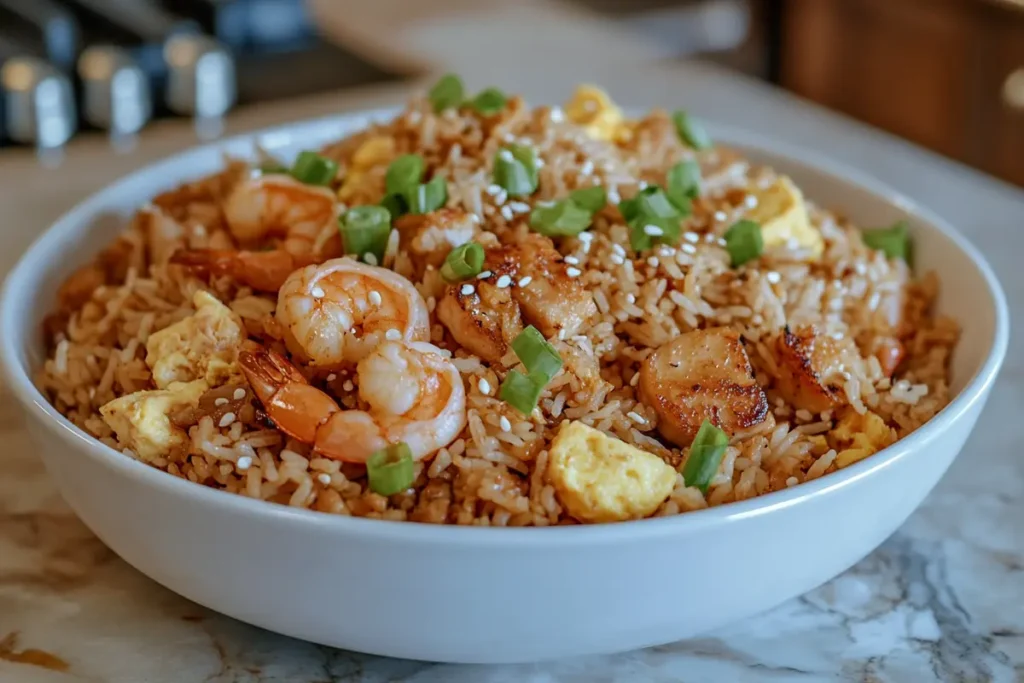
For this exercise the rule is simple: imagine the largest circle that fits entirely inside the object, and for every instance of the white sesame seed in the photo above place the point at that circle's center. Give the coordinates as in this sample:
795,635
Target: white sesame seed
506,155
688,248
572,260
504,281
635,417
653,230
773,277
721,241
501,197
485,387
226,419
244,463
585,237
467,289
587,168
317,293
691,237
666,251
631,298
220,402
751,201
525,281
643,185
494,189
484,275
618,260
720,216
375,297
573,272
556,114
506,213
519,207
324,478
653,262
238,394
634,380
506,426
617,248
370,259
613,196
392,335
331,377
348,386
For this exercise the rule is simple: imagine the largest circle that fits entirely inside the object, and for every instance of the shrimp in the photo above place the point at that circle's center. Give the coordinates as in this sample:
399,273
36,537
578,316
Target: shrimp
413,394
264,271
338,311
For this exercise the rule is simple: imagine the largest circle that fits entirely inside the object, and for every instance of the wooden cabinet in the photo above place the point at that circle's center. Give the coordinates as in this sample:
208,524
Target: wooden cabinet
932,71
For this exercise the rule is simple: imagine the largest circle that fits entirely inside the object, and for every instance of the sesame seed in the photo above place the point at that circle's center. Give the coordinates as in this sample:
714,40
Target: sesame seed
244,463
572,260
331,377
494,189
467,289
653,262
631,298
506,155
375,297
324,478
720,241
317,293
504,281
556,114
370,259
643,185
653,230
484,275
501,197
220,402
634,380
617,248
506,426
689,248
720,216
525,281
751,201
519,207
573,272
392,335
613,196
691,237
348,386
585,237
636,417
227,419
587,168
773,277
485,387
506,213
618,260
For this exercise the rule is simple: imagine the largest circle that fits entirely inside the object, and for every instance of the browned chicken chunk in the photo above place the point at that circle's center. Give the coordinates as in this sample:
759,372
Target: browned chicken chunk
813,366
703,375
430,237
482,317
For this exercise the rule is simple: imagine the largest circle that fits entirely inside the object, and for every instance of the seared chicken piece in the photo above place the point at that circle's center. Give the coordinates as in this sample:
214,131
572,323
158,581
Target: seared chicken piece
813,368
703,375
430,236
485,317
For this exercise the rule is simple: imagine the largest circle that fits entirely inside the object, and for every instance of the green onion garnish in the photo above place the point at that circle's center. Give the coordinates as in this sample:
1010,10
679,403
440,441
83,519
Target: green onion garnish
312,169
683,182
706,453
651,201
690,131
403,173
391,469
744,242
515,170
561,219
463,263
522,391
894,241
427,197
592,199
652,218
540,358
489,102
365,230
446,93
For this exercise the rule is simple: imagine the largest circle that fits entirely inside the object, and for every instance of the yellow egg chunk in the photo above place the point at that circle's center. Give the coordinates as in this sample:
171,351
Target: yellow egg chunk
141,420
857,436
202,346
599,478
376,151
591,108
783,216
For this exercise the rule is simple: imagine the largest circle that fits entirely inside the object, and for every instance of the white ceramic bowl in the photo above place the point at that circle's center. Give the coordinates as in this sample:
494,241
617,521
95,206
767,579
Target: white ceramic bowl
494,595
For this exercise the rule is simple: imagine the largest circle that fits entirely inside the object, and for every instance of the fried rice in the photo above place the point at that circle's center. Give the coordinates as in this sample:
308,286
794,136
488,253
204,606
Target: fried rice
497,471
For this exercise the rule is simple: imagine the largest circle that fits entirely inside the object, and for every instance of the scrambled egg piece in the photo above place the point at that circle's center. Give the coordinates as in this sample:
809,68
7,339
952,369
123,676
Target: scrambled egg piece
202,346
591,108
857,436
141,420
783,216
376,151
601,479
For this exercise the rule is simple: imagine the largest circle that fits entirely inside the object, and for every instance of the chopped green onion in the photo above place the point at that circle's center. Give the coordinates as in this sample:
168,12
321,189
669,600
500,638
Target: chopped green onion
515,170
683,182
652,218
540,357
365,230
489,102
652,201
463,263
894,241
522,391
561,219
744,242
395,205
313,169
403,173
446,93
427,197
690,131
592,199
391,470
706,453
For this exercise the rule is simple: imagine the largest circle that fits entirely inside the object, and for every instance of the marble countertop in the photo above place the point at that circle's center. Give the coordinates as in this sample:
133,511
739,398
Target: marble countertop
943,599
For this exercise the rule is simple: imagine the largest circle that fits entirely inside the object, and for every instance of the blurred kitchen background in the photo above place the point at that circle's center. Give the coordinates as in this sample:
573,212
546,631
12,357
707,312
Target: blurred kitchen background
946,74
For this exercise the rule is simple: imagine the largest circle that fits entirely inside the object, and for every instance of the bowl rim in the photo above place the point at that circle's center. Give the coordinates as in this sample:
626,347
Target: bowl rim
32,264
